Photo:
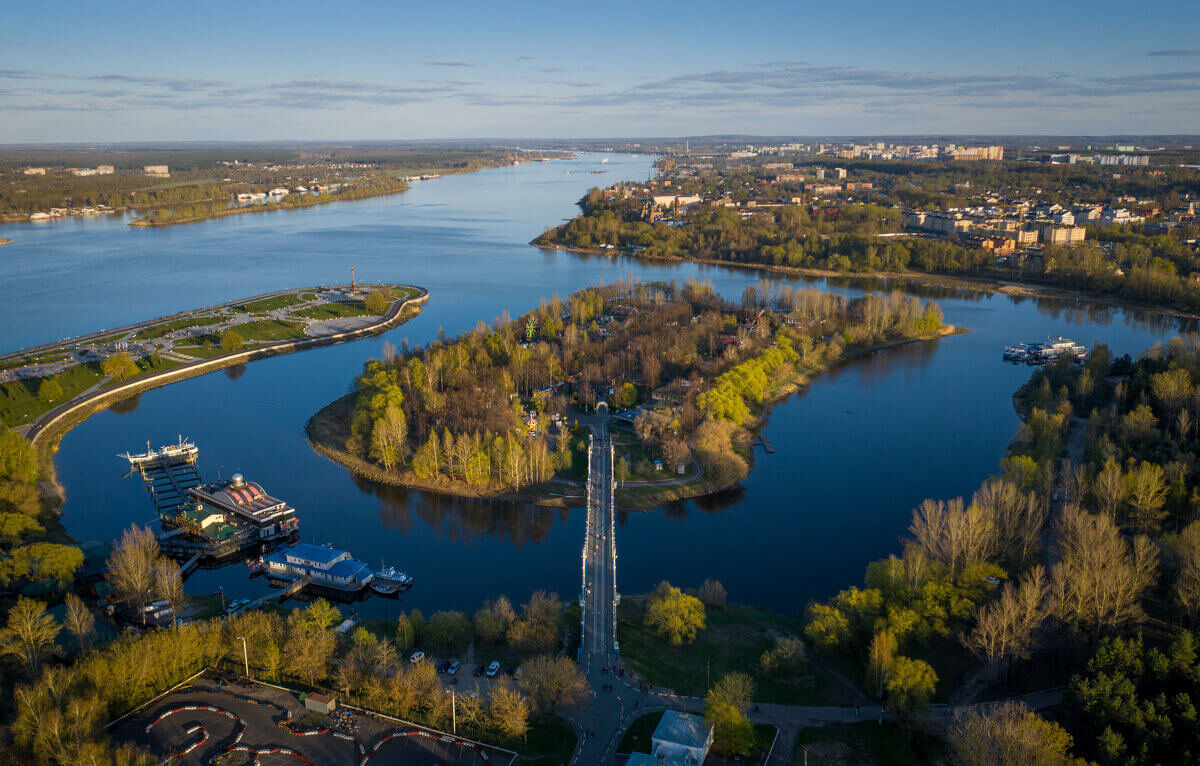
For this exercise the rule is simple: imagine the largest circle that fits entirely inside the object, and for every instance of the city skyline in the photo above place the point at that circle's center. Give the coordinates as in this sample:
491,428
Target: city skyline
377,72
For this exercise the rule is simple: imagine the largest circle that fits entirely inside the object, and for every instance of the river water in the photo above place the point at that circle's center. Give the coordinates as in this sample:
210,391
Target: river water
854,453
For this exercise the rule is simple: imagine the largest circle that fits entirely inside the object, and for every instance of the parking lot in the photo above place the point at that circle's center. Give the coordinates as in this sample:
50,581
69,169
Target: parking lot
251,723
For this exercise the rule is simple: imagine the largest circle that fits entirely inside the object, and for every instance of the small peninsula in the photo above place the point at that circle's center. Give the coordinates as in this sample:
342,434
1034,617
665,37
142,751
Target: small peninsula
686,376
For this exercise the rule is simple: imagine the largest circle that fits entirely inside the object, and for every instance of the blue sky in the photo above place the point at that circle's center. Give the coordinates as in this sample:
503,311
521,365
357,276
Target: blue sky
299,70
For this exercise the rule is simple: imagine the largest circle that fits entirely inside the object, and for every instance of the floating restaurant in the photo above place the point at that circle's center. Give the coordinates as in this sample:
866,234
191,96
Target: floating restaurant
321,564
214,520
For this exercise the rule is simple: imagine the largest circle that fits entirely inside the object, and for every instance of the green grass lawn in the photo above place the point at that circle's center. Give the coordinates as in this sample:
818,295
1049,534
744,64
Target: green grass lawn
865,743
637,736
552,741
19,402
734,640
201,352
159,330
265,329
147,365
270,304
333,311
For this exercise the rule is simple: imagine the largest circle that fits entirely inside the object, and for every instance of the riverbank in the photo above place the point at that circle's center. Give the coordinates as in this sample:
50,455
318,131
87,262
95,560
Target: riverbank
297,204
329,429
981,284
47,431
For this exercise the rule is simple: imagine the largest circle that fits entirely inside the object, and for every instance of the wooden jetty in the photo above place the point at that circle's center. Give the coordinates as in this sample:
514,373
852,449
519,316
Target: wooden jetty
766,444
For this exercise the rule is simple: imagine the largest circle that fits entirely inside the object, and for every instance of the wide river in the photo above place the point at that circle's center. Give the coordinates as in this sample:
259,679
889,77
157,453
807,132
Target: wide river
853,454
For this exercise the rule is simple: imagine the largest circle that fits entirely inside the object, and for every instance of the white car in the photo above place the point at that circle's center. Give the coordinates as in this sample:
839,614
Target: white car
454,666
493,669
416,657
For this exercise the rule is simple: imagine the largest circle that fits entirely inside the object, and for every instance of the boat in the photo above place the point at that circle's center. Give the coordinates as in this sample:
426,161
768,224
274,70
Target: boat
255,566
1046,351
384,587
321,564
388,576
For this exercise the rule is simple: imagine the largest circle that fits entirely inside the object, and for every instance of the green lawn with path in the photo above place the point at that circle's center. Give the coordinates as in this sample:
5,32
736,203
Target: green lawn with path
19,402
270,304
159,330
333,310
734,640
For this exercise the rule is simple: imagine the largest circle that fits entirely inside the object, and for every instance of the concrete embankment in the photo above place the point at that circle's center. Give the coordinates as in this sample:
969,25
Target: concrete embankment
44,432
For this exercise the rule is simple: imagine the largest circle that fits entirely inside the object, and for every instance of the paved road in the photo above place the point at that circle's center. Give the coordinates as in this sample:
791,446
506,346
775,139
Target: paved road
599,555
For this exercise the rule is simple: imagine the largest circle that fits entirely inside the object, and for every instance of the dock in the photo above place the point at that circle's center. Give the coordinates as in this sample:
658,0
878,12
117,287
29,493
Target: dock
766,444
291,589
189,566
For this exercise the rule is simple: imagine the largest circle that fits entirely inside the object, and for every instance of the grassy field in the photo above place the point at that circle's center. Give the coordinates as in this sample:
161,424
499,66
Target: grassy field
264,329
864,743
19,402
637,736
159,330
333,311
201,352
551,742
270,304
734,640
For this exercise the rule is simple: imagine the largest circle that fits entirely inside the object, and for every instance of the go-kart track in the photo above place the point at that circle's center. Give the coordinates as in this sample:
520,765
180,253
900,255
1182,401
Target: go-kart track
210,722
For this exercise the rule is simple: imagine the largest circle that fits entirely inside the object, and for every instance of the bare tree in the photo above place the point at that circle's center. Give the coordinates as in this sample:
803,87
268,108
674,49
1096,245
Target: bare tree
1100,577
1005,628
952,534
168,582
712,593
1110,488
1008,734
1018,517
79,621
1146,492
131,567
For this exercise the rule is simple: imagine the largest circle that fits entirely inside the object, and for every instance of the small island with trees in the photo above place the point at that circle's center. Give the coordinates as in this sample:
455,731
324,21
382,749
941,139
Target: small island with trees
686,375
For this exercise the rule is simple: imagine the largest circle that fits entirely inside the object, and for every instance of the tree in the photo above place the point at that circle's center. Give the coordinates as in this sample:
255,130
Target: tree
376,302
508,711
879,662
725,707
405,635
311,642
448,631
168,582
712,593
45,561
231,340
953,534
15,527
79,621
910,684
1100,576
1146,492
785,658
50,390
1008,734
119,366
389,437
28,634
1004,629
131,567
552,683
1110,488
18,459
675,614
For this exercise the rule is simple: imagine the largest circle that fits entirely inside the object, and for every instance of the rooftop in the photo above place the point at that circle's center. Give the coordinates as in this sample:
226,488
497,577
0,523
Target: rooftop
683,729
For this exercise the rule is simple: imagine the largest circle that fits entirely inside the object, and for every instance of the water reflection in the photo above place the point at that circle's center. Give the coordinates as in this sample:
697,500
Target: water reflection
126,406
463,521
235,371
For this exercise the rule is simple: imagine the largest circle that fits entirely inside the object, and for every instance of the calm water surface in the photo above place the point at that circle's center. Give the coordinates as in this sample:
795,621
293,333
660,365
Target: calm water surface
854,452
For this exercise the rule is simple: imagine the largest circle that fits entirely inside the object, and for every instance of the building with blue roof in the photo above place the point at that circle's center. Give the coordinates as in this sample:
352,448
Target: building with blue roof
321,564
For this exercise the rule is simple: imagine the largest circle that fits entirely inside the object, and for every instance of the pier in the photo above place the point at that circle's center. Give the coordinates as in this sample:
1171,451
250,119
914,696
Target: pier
289,590
766,444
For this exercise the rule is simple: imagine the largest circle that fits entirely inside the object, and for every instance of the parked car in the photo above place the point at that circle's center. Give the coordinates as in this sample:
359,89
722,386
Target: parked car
478,671
443,666
454,666
493,669
416,657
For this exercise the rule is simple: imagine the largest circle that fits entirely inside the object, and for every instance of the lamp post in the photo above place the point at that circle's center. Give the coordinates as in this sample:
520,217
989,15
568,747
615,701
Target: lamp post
245,655
453,714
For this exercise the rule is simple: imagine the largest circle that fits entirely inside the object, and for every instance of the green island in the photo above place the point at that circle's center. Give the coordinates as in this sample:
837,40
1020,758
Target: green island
504,410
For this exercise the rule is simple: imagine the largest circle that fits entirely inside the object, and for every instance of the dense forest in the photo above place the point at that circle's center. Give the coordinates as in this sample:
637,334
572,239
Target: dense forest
1080,559
480,409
